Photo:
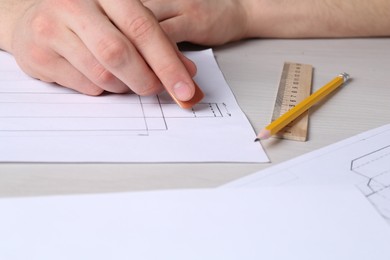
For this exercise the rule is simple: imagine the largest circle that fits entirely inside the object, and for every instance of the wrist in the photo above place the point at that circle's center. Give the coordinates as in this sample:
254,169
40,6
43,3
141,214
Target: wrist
260,17
276,19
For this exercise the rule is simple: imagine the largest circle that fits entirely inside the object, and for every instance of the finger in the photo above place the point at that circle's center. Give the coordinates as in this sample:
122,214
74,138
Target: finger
113,50
190,65
82,59
139,25
162,11
46,65
71,78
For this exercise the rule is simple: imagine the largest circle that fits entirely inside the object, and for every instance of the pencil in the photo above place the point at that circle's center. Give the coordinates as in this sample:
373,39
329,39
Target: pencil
300,108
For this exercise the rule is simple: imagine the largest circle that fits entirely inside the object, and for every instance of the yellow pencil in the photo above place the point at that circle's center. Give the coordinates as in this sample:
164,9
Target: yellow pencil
303,106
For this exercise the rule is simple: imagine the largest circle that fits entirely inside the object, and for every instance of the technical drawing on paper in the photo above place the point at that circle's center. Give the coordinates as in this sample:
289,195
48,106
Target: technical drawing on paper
375,168
44,122
362,161
130,114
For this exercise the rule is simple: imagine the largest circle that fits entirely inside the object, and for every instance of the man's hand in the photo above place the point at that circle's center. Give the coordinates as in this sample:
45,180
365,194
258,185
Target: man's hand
207,22
96,45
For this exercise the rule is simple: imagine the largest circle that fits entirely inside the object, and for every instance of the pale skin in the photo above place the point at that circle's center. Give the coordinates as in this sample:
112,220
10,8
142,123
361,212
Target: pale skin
123,45
94,45
215,22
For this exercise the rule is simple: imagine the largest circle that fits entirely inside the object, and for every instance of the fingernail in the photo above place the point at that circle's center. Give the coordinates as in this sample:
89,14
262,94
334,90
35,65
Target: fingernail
182,91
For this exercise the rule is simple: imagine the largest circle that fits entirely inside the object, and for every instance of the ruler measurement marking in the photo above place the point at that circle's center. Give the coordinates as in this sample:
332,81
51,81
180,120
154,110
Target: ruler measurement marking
294,86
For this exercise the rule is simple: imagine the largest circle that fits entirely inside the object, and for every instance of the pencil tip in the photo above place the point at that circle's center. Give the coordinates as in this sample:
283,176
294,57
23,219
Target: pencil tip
257,139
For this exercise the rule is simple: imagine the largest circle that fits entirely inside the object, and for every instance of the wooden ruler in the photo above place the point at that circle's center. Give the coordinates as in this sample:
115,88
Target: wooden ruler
294,86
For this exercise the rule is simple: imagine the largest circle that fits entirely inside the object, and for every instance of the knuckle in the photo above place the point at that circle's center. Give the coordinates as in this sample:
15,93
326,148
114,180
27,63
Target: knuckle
42,25
112,52
141,28
38,57
102,76
107,80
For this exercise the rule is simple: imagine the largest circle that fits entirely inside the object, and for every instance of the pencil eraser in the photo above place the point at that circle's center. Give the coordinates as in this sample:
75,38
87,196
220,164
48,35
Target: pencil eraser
198,96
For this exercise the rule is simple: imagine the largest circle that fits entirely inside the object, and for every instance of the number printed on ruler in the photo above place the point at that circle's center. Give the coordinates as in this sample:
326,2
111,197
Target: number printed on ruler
294,86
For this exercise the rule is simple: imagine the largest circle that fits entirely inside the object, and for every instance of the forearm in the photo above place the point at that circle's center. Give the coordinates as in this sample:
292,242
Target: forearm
10,11
317,18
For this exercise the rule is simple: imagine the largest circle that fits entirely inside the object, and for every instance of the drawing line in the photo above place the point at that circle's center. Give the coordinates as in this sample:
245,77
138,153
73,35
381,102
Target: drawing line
374,167
150,108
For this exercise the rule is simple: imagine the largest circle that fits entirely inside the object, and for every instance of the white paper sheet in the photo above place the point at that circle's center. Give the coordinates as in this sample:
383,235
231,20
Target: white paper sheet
362,160
42,122
277,223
